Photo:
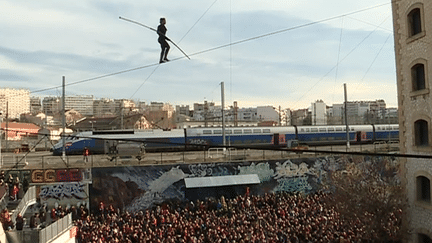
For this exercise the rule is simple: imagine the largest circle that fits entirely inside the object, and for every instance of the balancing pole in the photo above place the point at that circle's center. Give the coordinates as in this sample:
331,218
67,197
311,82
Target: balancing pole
150,28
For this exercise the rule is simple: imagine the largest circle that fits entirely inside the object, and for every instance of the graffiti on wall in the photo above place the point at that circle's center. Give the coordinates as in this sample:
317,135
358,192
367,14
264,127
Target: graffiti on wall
263,170
50,175
62,191
135,188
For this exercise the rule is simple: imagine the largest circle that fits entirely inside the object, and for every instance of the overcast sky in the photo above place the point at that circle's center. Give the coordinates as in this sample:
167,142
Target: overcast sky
322,45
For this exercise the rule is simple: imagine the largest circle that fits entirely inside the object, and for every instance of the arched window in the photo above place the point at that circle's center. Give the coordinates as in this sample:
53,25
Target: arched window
422,238
423,189
421,133
414,20
418,77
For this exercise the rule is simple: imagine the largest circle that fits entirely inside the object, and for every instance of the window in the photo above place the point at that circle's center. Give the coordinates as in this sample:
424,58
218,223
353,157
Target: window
238,131
421,133
423,189
322,130
257,131
207,132
217,132
414,21
339,129
422,238
314,129
418,77
330,129
247,131
266,130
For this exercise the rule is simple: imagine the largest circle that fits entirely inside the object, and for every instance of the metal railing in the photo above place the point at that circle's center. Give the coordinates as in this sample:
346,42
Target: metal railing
4,198
28,199
55,229
45,235
47,161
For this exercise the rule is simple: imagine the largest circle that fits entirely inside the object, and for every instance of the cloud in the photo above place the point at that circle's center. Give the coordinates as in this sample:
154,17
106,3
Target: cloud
84,40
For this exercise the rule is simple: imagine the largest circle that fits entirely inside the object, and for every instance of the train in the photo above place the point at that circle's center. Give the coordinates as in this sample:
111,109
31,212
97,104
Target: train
105,142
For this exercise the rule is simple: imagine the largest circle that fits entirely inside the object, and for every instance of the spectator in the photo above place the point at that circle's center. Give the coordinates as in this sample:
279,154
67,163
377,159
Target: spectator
6,220
53,214
19,222
14,193
9,182
34,221
269,218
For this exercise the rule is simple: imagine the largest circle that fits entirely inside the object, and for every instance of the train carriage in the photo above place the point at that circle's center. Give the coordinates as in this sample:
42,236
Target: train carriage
98,142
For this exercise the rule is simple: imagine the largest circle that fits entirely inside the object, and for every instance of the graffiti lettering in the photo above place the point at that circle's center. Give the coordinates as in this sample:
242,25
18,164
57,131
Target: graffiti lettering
297,184
200,170
220,171
43,176
60,191
69,175
50,176
37,176
289,169
262,170
197,141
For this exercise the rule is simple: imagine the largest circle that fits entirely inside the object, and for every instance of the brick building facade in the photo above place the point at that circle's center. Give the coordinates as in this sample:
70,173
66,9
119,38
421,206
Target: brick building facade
412,21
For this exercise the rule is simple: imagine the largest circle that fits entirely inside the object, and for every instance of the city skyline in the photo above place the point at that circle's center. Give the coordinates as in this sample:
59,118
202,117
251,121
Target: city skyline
315,53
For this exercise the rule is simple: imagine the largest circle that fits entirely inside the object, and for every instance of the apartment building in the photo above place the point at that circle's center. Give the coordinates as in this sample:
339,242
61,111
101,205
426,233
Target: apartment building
14,102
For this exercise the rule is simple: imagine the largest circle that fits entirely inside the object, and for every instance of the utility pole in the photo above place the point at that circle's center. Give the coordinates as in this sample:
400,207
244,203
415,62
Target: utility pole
64,119
7,126
346,116
223,115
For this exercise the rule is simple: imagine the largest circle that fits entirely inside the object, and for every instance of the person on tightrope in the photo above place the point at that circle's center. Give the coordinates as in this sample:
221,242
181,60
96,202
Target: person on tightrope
161,30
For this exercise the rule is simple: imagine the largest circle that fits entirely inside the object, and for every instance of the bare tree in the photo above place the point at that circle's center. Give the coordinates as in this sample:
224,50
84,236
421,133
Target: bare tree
368,192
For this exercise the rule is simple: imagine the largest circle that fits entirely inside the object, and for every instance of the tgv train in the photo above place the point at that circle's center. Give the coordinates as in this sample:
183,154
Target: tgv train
100,142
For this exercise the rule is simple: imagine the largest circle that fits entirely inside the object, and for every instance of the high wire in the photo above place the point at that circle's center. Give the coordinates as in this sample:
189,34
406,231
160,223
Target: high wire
216,48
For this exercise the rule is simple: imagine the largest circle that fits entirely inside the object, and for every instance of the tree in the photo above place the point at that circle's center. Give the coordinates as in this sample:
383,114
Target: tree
368,192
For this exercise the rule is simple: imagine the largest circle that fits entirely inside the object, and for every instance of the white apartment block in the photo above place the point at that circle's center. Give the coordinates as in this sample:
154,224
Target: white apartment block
412,21
17,102
81,103
267,113
319,113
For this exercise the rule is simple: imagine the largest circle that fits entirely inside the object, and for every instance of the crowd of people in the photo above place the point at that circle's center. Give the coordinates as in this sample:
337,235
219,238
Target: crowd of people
278,217
41,216
10,186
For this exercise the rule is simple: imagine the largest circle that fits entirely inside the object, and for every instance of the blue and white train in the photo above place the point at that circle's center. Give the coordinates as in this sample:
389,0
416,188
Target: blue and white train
99,142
